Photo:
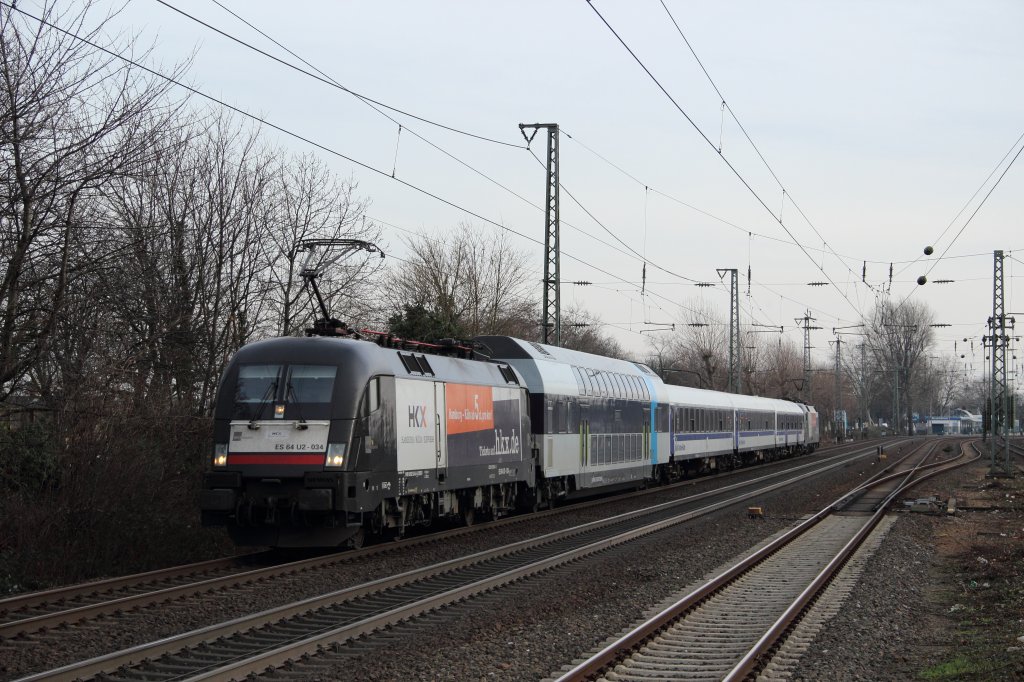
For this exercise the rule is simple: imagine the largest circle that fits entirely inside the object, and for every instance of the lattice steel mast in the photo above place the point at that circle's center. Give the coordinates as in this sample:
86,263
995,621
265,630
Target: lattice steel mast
552,323
998,393
734,328
805,322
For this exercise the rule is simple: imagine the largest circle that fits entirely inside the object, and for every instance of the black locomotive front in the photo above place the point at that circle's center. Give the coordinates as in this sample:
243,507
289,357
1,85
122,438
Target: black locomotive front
290,418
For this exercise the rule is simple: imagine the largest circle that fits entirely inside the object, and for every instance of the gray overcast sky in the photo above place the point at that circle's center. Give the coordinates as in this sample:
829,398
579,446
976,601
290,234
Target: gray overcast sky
881,119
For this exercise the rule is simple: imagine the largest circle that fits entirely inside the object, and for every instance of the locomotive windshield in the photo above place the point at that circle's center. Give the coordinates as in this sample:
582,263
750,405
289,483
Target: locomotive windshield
260,386
257,383
311,383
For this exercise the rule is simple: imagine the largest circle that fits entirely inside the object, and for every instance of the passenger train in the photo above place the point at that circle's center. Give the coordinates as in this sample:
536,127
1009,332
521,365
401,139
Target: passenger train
325,441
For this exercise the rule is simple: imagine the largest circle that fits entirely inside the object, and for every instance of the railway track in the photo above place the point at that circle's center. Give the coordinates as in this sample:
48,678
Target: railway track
37,611
726,628
248,645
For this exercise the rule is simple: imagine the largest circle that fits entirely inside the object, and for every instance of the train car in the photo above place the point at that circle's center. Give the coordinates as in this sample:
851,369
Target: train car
789,426
597,422
755,426
703,426
321,440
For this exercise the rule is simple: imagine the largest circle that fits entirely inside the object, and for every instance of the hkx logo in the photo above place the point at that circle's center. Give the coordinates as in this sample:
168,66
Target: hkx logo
417,416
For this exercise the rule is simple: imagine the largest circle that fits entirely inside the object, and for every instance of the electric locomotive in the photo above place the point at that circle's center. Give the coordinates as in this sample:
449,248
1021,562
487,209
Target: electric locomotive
319,440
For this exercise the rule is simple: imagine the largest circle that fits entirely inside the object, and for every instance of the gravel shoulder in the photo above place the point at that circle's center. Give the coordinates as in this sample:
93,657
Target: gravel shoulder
943,598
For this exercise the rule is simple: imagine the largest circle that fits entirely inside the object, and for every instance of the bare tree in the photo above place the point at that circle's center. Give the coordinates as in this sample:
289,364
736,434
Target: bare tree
191,286
898,337
71,119
861,379
464,284
701,343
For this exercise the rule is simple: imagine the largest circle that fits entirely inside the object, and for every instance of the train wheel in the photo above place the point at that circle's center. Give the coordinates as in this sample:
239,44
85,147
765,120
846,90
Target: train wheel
357,540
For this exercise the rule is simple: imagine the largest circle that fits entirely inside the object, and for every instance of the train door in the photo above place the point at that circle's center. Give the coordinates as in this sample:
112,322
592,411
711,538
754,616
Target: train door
584,434
647,432
440,432
671,432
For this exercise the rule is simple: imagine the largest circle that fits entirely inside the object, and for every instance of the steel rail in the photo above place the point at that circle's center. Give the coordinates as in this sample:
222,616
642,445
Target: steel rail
158,595
28,600
629,642
761,649
111,662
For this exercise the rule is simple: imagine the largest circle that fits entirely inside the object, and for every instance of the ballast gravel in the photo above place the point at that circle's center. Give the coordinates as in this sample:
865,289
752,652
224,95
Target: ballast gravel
47,650
528,631
521,632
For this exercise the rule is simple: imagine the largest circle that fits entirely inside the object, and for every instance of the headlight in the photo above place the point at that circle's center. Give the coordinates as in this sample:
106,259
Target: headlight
335,457
220,455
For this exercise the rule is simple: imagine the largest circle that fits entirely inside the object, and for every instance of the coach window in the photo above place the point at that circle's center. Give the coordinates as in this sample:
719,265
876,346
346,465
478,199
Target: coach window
721,421
588,380
561,414
691,420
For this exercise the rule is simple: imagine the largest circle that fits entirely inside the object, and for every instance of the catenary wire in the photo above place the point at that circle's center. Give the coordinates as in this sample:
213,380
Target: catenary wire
325,78
732,168
328,81
604,227
968,222
735,118
968,202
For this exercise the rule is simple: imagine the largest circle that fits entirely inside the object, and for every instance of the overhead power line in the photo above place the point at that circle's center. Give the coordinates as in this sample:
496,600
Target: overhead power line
736,119
320,76
735,171
968,222
636,254
323,77
968,202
